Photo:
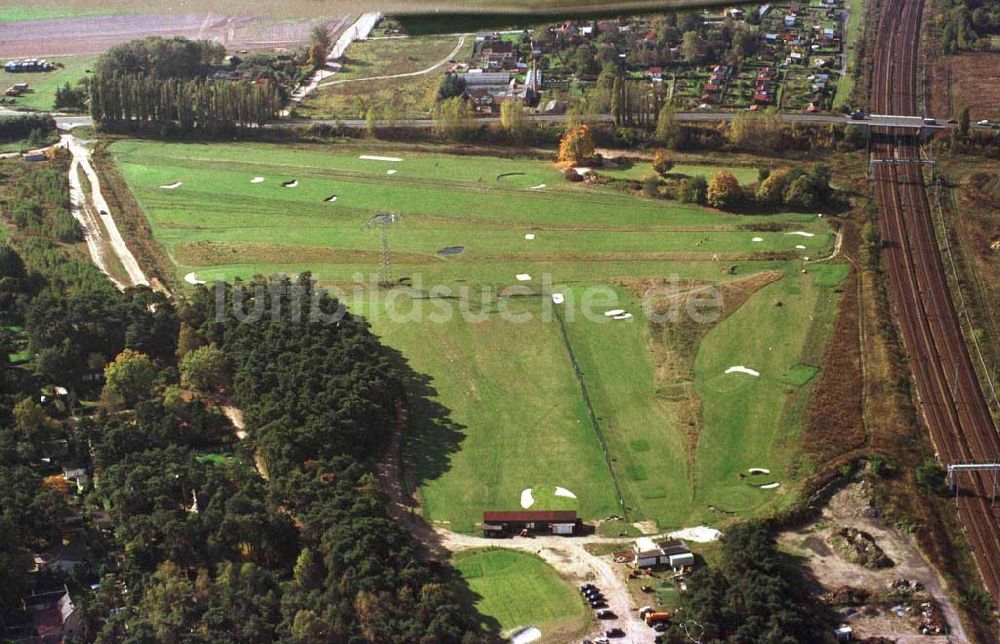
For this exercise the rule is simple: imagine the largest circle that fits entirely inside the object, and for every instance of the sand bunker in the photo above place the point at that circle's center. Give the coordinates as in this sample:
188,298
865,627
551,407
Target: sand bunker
583,170
699,534
527,636
193,280
557,298
369,157
801,234
759,470
257,180
538,187
800,247
172,186
769,486
391,171
561,491
757,239
741,369
614,312
529,236
290,184
523,277
331,199
623,316
527,500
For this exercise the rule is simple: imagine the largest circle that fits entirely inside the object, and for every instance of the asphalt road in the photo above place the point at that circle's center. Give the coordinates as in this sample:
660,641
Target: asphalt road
67,121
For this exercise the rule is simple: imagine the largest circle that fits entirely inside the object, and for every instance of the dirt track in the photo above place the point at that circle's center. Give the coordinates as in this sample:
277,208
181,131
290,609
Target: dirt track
91,36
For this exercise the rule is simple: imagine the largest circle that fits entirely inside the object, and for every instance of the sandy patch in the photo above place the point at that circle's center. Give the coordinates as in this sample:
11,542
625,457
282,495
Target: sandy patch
526,636
523,277
558,298
769,486
257,180
331,199
193,280
538,187
370,157
583,170
741,369
759,470
698,534
800,247
757,239
561,491
529,236
291,184
623,316
391,171
527,499
801,233
172,186
614,312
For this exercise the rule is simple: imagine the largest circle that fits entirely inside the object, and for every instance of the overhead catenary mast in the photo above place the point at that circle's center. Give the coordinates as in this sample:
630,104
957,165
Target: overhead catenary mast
381,223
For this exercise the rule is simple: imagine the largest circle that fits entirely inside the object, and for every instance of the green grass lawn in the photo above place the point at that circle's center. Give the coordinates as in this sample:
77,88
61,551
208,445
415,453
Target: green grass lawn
409,96
43,85
519,590
855,20
501,409
11,14
222,225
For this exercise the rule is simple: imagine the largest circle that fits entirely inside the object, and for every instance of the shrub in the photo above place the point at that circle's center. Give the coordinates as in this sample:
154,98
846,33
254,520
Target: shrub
724,191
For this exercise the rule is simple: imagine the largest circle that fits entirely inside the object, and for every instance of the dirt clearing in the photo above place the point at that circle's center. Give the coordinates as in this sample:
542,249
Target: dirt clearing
967,79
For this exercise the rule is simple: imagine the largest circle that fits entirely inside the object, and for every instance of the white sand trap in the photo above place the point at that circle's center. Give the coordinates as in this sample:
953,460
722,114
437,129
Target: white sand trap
172,186
331,199
741,369
523,277
527,636
193,280
369,157
770,486
800,247
529,236
557,298
291,184
801,233
699,534
538,187
257,180
527,500
759,470
583,170
391,171
623,316
561,491
613,312
757,239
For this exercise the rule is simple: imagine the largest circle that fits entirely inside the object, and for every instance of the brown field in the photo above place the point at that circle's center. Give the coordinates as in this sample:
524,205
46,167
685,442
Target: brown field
967,79
93,35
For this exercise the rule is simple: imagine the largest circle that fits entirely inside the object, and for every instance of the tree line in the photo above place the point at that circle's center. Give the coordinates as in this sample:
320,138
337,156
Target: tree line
168,82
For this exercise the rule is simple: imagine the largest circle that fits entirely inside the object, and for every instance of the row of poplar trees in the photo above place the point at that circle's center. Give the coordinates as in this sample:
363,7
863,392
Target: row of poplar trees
124,98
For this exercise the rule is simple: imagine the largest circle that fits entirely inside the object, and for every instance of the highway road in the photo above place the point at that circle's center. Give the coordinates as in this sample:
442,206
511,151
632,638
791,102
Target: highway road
67,121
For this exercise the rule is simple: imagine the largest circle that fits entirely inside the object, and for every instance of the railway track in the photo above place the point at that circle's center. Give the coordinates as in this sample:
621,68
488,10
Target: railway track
949,396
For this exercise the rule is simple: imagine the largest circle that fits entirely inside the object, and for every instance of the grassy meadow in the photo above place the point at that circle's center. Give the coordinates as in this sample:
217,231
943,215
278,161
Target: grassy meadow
500,407
408,96
43,85
519,590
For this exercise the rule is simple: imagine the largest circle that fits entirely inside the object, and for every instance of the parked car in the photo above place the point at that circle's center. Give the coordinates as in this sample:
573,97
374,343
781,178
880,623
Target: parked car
614,632
930,121
595,604
660,627
647,589
857,115
586,587
983,122
606,614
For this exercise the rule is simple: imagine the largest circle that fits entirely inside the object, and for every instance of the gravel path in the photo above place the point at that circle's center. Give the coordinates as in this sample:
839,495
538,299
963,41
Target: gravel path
81,160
